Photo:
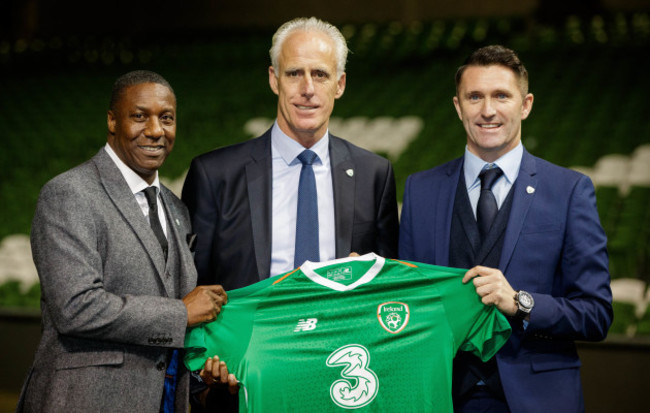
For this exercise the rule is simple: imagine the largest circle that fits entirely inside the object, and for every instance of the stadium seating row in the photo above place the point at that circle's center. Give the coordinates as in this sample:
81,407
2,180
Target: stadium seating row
587,74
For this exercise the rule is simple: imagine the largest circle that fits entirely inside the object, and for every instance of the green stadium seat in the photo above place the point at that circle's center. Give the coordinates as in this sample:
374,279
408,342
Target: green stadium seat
625,320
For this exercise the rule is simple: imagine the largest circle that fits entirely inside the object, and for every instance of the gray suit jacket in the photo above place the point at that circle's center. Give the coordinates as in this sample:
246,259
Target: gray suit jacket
109,309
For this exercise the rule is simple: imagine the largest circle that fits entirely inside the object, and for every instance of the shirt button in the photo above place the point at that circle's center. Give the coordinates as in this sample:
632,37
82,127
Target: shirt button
161,365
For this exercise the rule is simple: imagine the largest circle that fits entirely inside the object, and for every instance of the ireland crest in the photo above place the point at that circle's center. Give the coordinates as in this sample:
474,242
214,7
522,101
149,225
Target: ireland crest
393,316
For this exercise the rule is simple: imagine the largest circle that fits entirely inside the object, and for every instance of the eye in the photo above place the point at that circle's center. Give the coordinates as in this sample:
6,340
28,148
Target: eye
168,119
138,117
292,73
321,74
502,96
474,97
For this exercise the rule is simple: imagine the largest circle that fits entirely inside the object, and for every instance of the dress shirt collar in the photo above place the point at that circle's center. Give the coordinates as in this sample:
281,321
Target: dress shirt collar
289,149
509,164
135,182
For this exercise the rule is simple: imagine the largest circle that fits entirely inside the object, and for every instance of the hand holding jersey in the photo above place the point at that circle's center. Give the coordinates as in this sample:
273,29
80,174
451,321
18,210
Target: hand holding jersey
215,373
340,330
493,288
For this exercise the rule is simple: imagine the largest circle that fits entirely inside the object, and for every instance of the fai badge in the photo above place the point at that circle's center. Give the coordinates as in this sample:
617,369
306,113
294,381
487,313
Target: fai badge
393,316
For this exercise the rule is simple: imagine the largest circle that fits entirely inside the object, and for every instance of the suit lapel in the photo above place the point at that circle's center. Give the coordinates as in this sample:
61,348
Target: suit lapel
176,236
343,185
119,192
466,215
446,195
524,192
258,181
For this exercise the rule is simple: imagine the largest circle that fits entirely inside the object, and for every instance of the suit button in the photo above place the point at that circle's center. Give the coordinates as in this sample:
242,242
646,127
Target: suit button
161,365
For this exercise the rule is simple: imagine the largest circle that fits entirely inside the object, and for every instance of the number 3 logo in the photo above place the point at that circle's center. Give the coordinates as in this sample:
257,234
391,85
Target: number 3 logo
355,358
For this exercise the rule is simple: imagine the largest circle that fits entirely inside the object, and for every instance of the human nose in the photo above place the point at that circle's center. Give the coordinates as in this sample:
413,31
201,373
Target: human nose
307,86
154,128
488,110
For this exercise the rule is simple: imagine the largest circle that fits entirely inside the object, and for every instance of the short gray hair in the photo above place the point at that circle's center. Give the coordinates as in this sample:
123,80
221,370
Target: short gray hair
310,24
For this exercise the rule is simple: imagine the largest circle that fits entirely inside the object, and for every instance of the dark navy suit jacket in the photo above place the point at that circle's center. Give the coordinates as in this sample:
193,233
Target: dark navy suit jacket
228,194
554,248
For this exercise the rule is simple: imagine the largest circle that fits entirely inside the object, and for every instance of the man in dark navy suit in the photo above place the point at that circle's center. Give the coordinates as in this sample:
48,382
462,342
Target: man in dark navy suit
243,199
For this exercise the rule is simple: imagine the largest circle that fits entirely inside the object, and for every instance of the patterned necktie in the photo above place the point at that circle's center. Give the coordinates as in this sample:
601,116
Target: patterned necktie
487,208
154,220
307,247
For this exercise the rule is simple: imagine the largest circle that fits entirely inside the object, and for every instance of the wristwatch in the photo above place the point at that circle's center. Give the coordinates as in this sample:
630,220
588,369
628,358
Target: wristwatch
525,303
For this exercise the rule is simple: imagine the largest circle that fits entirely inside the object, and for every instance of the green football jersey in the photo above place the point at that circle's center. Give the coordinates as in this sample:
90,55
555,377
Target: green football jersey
361,333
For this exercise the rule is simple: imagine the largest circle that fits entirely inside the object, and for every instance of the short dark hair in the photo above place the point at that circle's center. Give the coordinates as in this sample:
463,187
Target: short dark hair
496,55
135,77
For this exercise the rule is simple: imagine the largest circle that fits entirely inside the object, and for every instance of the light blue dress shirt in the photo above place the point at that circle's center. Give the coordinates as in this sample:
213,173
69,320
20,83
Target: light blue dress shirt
509,164
286,176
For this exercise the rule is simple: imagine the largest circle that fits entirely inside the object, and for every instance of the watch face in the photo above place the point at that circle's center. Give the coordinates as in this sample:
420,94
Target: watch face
525,299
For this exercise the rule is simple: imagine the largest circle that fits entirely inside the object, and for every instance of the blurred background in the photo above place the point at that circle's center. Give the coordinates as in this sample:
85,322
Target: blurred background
588,65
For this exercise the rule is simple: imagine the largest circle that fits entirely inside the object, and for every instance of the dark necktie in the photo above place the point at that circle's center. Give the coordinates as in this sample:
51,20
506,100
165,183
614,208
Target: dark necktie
487,207
154,220
307,247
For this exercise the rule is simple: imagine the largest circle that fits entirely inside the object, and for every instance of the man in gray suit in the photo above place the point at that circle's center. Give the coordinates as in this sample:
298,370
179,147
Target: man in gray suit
117,275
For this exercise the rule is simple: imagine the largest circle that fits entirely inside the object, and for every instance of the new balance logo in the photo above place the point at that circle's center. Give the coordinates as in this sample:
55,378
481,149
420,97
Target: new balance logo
306,324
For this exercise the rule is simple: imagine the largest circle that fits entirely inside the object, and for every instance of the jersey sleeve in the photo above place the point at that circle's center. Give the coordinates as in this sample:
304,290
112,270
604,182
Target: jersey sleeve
476,327
227,336
487,334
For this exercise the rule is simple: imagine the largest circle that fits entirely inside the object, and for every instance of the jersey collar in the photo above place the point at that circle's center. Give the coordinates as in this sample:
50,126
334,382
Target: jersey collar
308,269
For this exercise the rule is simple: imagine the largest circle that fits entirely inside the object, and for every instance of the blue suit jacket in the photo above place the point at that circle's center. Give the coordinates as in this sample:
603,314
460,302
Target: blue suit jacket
554,248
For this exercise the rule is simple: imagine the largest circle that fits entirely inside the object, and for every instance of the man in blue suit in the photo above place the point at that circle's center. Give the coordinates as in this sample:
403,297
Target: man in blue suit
539,256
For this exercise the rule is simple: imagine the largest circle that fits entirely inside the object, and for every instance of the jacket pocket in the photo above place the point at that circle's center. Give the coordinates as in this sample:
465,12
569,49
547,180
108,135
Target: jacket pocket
557,361
86,359
535,228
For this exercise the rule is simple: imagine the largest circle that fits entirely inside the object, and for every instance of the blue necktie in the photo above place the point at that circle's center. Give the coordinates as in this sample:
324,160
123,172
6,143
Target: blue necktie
307,247
487,208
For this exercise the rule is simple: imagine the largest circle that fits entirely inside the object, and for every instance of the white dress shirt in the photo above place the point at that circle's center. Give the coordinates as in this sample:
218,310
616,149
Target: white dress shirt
286,177
137,185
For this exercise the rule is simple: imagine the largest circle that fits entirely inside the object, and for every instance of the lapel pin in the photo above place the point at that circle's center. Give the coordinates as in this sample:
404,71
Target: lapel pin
350,172
178,223
530,189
